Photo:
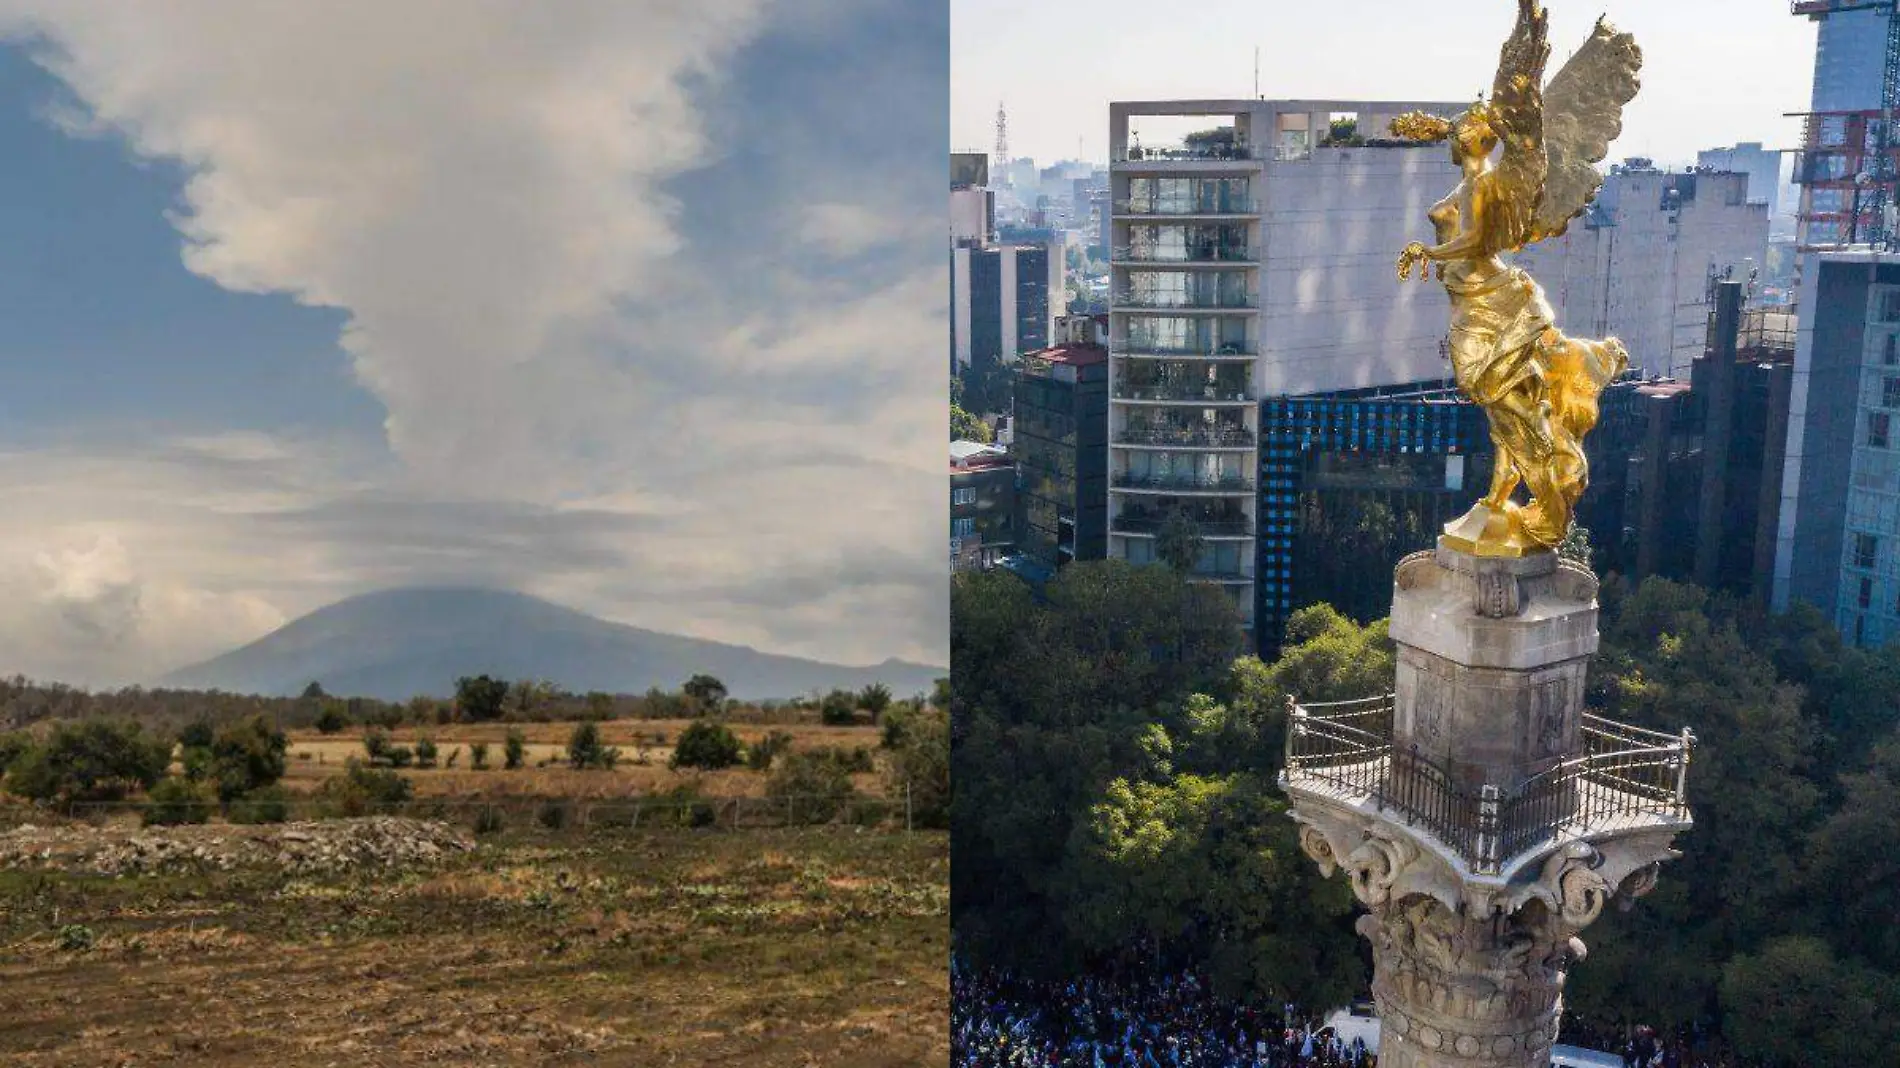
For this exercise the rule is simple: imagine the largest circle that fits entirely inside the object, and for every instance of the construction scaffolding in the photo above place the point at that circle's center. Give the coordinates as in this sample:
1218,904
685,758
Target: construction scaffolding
1846,167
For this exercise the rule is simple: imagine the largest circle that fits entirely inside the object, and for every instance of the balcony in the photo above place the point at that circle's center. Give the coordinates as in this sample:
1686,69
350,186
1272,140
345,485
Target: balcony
1204,255
1170,349
1163,435
1149,524
1186,393
1185,301
1221,578
1187,483
1626,778
1211,207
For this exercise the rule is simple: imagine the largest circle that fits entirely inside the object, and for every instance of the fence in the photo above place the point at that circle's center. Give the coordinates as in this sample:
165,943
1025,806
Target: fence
728,813
1623,773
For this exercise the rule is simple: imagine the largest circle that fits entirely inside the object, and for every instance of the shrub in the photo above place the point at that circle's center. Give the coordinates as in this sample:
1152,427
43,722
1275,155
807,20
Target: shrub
93,760
174,801
896,725
816,781
76,938
425,752
332,719
454,755
552,815
271,804
13,745
247,756
585,751
478,755
513,749
376,744
399,756
759,755
488,820
361,790
838,709
705,744
687,807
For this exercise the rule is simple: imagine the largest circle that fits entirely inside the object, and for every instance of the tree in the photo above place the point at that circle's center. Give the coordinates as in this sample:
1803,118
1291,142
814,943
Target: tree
375,744
480,699
1797,1003
817,784
331,720
93,760
706,744
967,427
514,749
1179,543
919,767
1576,545
246,757
839,708
707,693
314,691
874,699
425,752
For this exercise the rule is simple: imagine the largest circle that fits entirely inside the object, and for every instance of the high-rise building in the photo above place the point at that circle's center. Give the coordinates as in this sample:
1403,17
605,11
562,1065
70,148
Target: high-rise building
1762,165
1838,542
1003,302
1639,264
1252,259
1061,446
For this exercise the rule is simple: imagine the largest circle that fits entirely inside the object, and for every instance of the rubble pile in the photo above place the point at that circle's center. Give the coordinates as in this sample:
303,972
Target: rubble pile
312,848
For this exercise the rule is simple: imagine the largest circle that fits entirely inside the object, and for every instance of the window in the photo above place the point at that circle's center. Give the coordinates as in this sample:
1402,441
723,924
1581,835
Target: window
963,528
1890,393
1892,354
1866,598
1878,423
1866,547
967,495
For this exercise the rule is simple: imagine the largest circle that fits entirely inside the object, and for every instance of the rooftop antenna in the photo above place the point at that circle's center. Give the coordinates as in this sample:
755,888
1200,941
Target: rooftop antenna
1002,143
1256,72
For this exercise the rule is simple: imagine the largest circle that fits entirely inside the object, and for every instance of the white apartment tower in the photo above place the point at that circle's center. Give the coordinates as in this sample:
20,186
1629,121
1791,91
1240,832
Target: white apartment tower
1253,258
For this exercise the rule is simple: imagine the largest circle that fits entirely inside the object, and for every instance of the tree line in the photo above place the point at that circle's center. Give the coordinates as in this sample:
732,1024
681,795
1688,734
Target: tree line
1115,761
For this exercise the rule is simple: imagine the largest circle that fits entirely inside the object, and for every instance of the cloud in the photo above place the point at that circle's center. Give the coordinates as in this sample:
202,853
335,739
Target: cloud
613,374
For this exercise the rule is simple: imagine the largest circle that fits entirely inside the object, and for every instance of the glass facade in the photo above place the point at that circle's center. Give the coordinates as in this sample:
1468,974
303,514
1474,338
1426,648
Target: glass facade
1189,196
1868,597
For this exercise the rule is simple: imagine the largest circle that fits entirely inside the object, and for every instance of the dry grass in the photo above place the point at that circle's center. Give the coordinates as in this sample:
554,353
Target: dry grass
773,949
645,747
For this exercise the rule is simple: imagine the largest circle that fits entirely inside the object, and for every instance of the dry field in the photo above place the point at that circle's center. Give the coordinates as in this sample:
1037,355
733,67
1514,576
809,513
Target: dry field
775,949
645,747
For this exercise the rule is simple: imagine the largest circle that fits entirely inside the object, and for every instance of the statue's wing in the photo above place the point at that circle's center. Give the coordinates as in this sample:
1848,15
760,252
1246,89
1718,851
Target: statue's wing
1517,117
1583,113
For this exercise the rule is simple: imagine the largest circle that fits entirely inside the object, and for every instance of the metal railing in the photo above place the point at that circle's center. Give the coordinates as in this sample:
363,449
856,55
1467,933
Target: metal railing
1190,483
1624,772
1222,394
1200,253
1225,350
1218,151
1162,208
1203,437
1185,302
1209,528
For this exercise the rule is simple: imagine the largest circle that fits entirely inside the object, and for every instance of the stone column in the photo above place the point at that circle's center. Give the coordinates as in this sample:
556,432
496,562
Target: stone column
1473,918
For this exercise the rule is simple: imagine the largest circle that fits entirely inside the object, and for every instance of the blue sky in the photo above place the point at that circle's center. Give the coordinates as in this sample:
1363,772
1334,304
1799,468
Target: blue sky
1715,71
635,310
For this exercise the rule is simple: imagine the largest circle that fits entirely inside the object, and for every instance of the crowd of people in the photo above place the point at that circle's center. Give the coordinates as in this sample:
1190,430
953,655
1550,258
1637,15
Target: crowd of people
1175,1020
1161,1021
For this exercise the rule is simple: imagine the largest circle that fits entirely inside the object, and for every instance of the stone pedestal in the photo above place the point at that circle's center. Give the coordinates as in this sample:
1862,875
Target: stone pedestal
1491,656
1476,882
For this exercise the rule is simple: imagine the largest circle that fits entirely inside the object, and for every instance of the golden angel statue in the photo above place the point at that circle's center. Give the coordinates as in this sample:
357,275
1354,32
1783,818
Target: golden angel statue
1538,388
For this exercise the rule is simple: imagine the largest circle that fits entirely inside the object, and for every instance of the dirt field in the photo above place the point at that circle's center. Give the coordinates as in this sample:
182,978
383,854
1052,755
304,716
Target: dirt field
645,747
775,949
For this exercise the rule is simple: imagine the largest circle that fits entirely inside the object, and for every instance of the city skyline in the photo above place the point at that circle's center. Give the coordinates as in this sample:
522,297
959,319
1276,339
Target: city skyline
1056,67
305,302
